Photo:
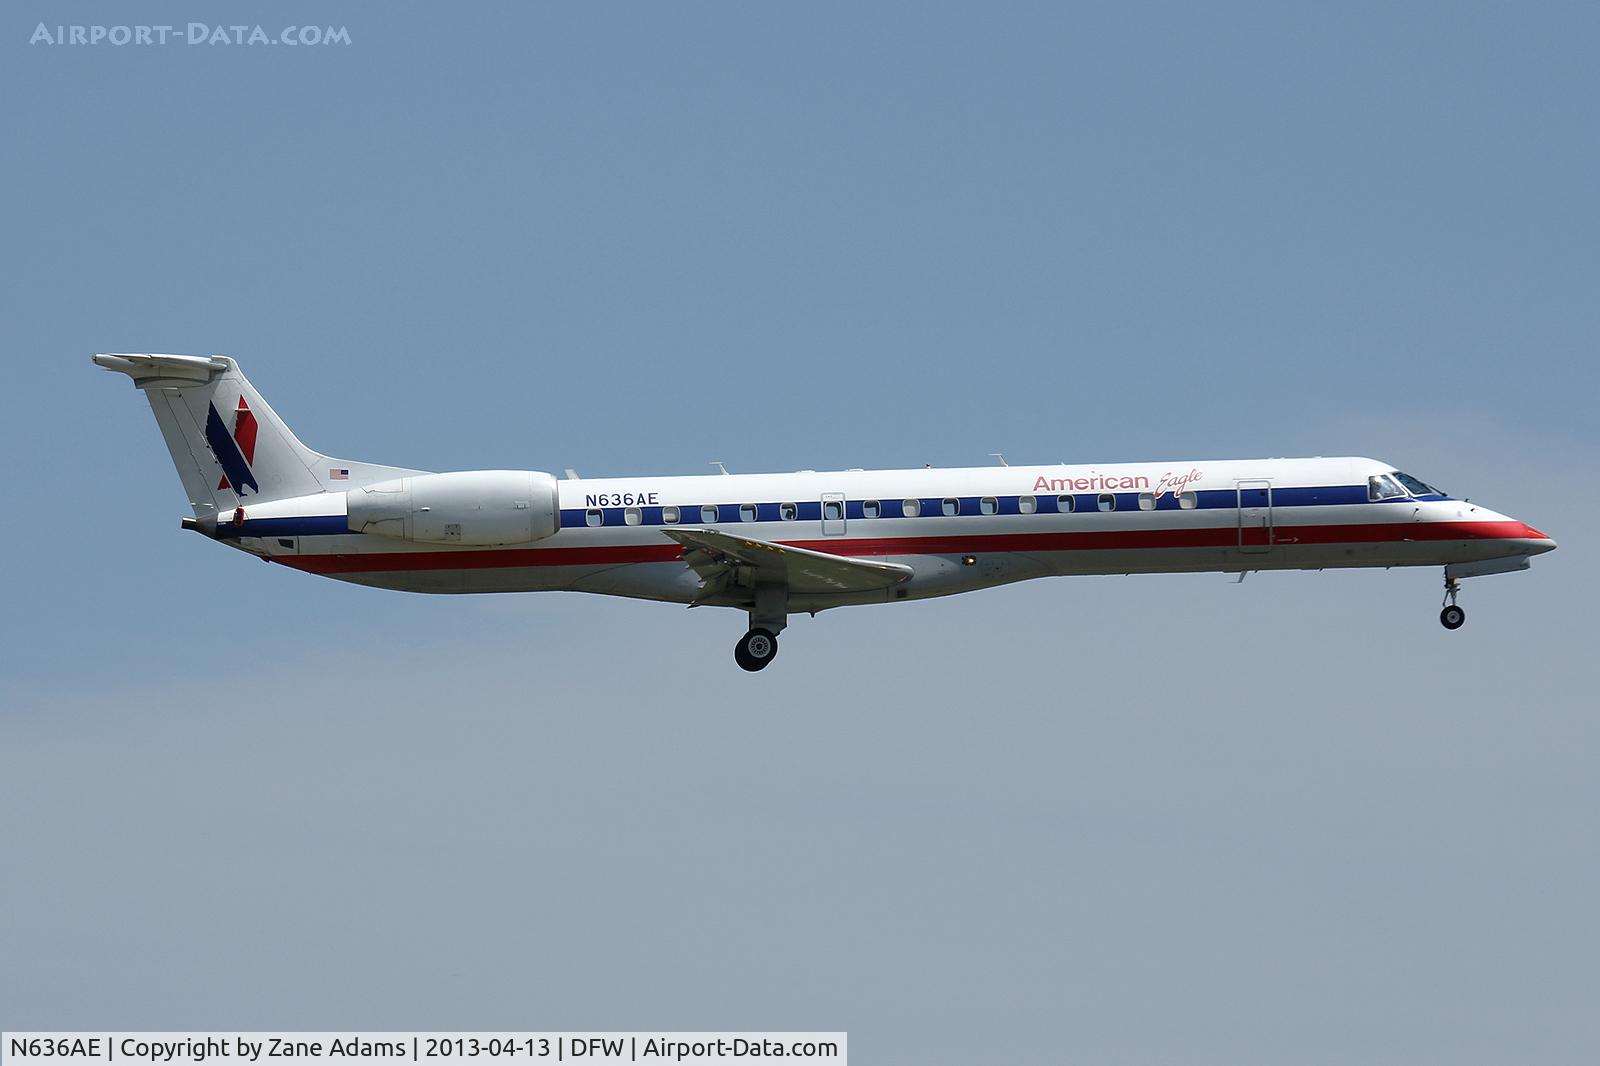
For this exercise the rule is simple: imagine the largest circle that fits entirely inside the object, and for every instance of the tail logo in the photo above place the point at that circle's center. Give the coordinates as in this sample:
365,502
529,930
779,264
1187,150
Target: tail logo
236,450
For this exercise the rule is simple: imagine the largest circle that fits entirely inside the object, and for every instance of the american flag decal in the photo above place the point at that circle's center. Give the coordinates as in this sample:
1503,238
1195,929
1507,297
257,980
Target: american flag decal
338,475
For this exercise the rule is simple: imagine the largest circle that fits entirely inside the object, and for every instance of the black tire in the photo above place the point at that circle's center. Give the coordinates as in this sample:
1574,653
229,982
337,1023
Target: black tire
1452,617
756,649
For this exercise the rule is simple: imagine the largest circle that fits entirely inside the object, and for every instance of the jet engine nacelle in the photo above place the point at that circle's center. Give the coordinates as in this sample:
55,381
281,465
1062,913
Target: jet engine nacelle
480,507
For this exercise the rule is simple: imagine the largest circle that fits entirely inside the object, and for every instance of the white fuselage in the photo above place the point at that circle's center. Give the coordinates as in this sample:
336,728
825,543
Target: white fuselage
957,529
774,545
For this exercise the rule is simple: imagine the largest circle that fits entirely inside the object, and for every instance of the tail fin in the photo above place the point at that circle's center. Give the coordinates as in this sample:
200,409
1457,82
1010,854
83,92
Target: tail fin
229,446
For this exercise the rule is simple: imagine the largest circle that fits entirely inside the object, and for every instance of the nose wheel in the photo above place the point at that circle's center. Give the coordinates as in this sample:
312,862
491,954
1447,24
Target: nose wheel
1452,617
756,649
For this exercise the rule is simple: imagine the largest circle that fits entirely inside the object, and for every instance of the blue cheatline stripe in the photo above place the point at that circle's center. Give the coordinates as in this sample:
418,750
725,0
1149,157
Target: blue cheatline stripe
933,506
307,526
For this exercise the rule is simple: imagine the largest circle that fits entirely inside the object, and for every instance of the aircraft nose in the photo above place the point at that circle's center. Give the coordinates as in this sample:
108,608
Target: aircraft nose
1536,542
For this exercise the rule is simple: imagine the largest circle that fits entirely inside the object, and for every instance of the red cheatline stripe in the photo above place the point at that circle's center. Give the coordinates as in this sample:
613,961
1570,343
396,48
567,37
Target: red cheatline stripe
1226,537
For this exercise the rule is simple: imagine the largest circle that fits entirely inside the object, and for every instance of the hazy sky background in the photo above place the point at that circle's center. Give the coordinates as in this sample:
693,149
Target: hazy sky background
1111,820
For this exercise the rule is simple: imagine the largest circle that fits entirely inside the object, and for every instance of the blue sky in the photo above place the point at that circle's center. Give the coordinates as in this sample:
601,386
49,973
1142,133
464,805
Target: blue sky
1150,818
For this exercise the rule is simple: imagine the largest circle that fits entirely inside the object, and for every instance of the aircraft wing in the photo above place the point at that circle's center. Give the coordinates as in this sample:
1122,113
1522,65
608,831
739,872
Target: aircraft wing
715,555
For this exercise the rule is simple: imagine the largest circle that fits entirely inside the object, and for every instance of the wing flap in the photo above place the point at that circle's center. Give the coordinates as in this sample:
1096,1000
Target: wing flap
715,555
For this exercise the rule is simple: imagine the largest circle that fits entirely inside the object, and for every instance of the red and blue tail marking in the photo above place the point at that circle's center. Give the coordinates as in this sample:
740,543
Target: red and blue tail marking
235,451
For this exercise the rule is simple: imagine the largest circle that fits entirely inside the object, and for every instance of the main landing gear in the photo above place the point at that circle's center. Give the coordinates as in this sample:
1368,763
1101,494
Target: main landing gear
756,649
769,614
1452,617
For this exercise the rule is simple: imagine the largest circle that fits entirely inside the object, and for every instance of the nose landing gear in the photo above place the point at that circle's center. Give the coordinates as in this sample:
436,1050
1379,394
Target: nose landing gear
1452,617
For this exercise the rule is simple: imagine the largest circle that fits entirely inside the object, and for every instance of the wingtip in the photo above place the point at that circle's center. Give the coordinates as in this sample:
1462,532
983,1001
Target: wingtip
112,361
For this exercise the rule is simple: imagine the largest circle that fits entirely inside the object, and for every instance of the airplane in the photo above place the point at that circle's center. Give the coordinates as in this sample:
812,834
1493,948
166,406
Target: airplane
774,545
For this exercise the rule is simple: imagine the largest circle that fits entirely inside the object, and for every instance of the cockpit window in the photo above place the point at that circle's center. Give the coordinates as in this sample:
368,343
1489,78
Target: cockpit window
1383,487
1418,488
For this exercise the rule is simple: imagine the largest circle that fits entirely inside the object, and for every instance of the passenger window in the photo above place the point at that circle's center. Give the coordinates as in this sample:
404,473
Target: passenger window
594,516
1027,505
747,512
789,512
708,513
1188,500
951,507
832,510
669,515
1147,501
871,509
911,508
632,516
989,505
1108,501
1066,504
